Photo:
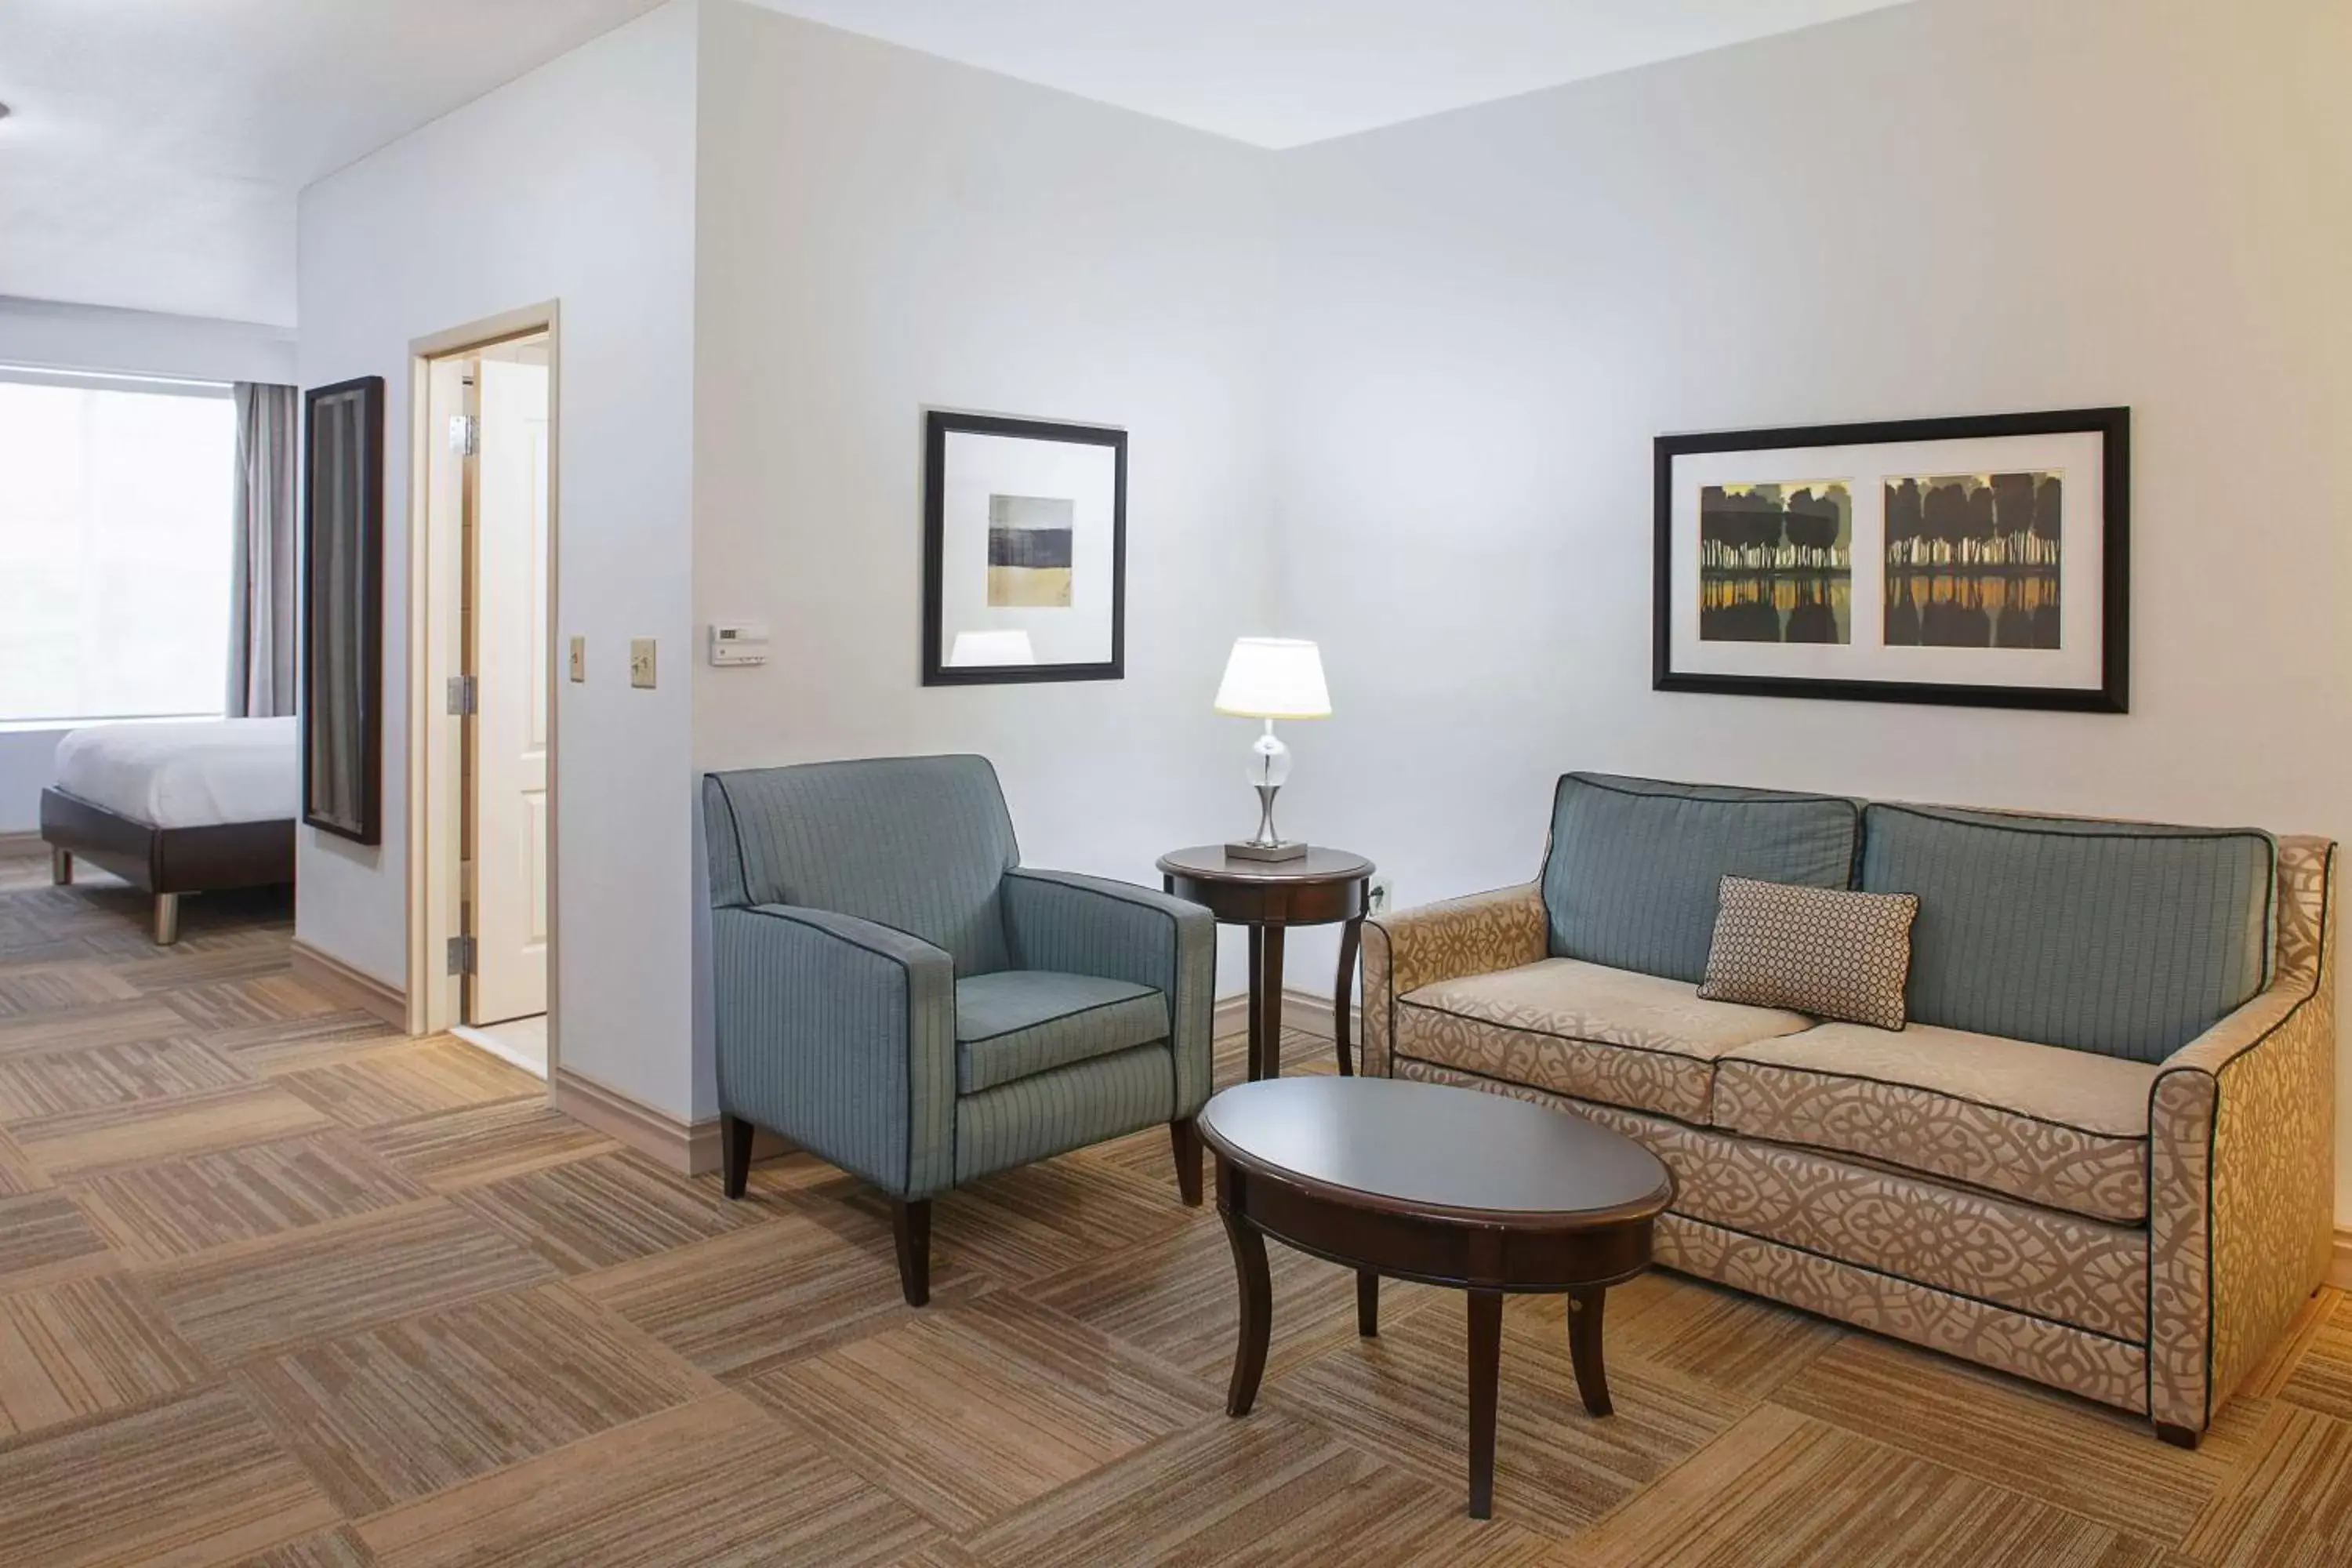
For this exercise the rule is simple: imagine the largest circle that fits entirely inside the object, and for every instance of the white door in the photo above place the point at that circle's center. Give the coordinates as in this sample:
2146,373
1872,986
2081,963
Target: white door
512,655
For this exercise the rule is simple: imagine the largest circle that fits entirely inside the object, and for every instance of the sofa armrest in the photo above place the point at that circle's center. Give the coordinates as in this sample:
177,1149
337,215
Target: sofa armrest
2242,1143
1116,931
1475,934
840,1035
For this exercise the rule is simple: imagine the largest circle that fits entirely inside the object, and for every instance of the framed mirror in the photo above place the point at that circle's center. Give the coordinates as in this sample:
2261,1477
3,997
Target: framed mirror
343,609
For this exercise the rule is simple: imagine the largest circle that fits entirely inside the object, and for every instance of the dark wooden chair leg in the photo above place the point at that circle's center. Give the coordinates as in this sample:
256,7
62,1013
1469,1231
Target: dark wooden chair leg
1485,1371
2178,1437
1351,935
1584,1349
1257,1312
1368,1304
734,1152
910,1227
1185,1135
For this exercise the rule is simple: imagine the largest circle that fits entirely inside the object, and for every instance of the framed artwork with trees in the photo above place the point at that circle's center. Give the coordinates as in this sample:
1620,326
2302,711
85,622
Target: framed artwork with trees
1983,560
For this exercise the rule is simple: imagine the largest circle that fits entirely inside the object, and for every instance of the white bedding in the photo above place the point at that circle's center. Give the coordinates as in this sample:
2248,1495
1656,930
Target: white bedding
185,774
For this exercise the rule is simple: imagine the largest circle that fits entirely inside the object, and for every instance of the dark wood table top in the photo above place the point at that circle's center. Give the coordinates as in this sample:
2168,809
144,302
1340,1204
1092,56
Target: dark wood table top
1436,1150
1208,862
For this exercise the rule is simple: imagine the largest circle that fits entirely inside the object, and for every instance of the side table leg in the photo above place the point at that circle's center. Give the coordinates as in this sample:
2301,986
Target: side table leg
1256,1003
1584,1348
1270,1030
1350,934
1368,1304
1257,1310
1485,1371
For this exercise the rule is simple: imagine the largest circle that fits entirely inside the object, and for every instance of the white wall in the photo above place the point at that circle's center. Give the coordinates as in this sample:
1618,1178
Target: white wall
880,231
48,335
54,336
1948,207
575,183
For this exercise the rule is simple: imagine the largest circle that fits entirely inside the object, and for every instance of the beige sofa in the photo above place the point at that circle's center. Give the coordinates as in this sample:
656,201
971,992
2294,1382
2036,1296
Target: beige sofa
2135,1221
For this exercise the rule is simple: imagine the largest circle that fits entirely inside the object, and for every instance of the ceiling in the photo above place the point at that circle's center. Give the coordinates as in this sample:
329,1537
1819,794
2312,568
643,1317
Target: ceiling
157,146
1280,73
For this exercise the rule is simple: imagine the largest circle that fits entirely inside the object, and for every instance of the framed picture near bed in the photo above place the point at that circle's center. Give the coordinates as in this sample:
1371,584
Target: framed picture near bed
343,609
1024,550
1984,562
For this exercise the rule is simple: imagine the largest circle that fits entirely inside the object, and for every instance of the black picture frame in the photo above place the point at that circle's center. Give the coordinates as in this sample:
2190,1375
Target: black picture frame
938,425
342,699
2113,693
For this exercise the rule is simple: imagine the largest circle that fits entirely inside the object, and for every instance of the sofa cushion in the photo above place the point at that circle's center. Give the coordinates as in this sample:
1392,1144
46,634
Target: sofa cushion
1631,875
1829,952
1017,1022
2118,937
2062,1128
1608,1034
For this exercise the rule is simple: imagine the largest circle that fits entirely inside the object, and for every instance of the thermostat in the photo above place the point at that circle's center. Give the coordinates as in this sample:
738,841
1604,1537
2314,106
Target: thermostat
739,642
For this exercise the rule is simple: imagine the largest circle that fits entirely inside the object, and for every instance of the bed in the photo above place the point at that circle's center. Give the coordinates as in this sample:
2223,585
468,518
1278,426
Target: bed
185,808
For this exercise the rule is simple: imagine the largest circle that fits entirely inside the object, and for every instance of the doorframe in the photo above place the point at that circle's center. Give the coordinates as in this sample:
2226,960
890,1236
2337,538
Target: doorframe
436,749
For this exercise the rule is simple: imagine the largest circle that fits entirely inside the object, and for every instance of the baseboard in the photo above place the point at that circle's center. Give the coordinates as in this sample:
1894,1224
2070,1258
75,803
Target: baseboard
330,976
690,1147
1301,1010
24,843
2339,1259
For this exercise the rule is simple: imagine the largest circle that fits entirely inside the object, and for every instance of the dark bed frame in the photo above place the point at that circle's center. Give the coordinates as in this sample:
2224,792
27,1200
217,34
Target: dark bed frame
165,861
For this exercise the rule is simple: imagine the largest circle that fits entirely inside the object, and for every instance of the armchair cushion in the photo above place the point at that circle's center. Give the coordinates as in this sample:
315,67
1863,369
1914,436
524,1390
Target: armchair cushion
1017,1022
917,844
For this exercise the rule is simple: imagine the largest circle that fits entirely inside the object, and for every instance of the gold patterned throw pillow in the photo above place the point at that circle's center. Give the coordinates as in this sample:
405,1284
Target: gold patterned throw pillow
1823,951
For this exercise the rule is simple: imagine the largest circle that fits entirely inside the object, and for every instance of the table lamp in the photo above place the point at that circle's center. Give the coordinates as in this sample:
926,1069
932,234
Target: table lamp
1270,678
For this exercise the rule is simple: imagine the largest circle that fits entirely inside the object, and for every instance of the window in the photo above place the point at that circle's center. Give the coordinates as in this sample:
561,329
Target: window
116,502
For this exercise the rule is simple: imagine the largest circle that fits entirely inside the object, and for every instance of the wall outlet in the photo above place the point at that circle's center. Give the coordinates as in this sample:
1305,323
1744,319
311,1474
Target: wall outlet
579,659
1383,899
641,662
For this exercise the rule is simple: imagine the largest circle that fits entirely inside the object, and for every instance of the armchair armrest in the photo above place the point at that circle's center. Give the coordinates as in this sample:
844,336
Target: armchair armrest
839,1034
2242,1143
1475,934
1092,925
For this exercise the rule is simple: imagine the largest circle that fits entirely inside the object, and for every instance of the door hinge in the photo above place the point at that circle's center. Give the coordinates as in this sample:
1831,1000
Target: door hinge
465,434
461,955
464,696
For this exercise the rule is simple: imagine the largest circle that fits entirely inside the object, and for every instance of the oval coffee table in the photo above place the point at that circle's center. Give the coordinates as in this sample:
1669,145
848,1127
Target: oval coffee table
1442,1185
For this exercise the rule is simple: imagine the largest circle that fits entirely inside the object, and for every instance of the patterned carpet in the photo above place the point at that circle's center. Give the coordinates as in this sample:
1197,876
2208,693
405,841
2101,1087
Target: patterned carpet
276,1286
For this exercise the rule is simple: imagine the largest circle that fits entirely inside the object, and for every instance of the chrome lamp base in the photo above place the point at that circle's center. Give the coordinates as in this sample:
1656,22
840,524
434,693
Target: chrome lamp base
1268,845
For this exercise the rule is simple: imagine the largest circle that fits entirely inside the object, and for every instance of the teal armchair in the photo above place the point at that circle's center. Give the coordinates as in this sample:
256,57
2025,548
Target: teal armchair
896,992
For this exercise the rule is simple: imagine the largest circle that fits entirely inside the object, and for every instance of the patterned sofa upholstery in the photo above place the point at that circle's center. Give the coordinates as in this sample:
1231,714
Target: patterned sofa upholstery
2100,1155
896,992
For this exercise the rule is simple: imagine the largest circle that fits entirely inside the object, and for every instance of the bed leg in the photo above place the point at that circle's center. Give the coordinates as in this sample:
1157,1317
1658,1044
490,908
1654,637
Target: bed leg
167,919
60,866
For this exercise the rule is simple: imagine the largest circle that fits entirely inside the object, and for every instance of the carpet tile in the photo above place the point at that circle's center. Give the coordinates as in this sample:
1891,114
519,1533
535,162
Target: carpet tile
278,1287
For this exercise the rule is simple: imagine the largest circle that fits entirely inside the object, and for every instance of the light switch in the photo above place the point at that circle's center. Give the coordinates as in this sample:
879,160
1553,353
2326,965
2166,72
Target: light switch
641,662
579,659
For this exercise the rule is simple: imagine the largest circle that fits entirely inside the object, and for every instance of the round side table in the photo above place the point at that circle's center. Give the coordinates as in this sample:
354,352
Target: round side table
1323,886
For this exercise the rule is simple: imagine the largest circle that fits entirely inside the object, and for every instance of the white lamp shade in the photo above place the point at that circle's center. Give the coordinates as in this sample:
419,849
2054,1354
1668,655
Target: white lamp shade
1274,678
992,649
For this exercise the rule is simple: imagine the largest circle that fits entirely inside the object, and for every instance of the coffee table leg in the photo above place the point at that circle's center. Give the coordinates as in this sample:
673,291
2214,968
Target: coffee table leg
1584,1348
1257,1311
1485,1371
1368,1303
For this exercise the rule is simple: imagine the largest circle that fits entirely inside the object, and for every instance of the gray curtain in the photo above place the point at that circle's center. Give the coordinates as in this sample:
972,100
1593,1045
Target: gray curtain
261,593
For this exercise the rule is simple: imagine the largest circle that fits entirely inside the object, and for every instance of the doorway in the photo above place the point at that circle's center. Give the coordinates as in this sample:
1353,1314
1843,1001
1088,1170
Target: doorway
483,660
